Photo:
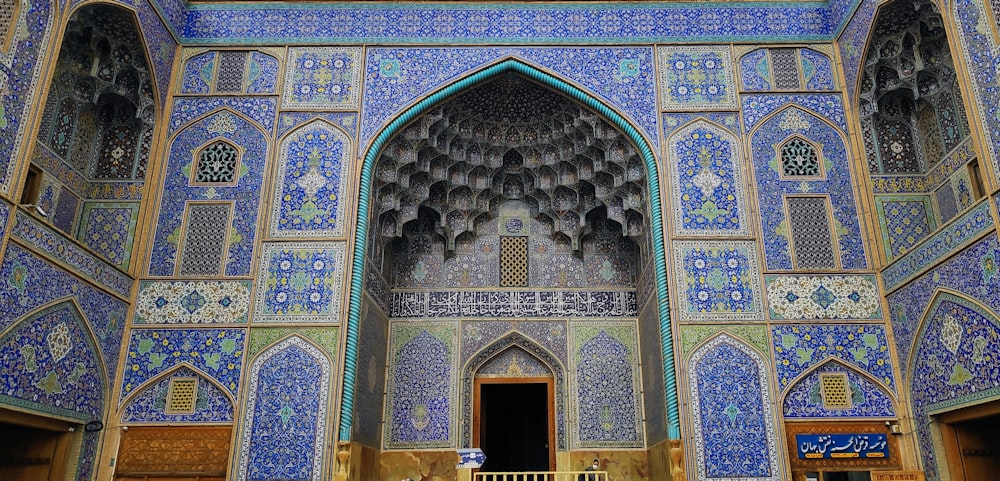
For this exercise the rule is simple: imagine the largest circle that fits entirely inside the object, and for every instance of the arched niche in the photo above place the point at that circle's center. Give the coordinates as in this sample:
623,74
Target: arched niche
148,404
860,395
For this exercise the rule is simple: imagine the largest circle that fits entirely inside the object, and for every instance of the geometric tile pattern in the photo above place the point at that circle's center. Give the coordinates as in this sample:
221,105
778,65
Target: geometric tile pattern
212,403
244,196
954,362
945,241
904,221
606,377
621,77
421,389
798,347
979,47
300,282
772,188
217,353
708,192
322,78
192,302
791,297
39,372
734,433
285,414
696,78
718,280
804,398
310,199
500,304
109,229
809,223
203,248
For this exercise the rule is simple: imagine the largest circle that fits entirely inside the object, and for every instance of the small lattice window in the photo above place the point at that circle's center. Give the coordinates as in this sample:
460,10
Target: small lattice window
217,164
8,22
799,159
182,395
513,262
812,237
785,68
205,234
232,65
835,390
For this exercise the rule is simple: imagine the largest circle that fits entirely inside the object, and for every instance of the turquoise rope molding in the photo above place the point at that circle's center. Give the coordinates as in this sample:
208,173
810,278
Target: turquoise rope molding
361,232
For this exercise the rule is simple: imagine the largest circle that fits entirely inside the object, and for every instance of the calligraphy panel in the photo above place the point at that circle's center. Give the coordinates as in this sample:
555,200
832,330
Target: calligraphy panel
795,429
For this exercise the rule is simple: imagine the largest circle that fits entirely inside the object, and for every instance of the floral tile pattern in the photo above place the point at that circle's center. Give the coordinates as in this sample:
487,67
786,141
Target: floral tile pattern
798,347
192,302
109,229
606,381
215,352
868,399
212,403
310,199
791,297
734,433
696,78
707,180
904,221
300,282
285,415
322,78
718,280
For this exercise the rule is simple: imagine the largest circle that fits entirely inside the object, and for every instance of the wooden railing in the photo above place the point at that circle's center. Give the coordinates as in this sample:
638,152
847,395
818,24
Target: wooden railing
543,476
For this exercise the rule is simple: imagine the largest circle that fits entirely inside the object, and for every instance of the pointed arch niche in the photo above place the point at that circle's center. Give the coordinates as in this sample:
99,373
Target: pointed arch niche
212,402
509,173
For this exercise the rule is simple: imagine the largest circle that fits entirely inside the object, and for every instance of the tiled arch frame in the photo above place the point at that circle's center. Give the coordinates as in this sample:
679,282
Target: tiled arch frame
507,65
884,390
513,340
125,403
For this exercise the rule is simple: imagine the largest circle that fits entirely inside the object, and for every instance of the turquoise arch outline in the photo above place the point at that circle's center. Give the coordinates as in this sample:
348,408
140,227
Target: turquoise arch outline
361,229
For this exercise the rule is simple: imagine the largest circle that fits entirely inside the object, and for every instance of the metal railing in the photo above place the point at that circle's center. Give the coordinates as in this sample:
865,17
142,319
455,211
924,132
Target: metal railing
543,476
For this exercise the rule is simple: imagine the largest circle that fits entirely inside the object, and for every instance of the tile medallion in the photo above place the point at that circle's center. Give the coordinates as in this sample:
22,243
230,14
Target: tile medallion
109,229
798,347
192,302
696,78
286,414
707,180
621,77
943,242
420,409
212,403
718,281
732,414
322,78
791,297
868,399
310,199
217,353
300,282
606,382
464,304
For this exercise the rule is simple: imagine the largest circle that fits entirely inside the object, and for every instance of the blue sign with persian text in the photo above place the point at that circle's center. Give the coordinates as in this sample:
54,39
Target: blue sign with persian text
822,446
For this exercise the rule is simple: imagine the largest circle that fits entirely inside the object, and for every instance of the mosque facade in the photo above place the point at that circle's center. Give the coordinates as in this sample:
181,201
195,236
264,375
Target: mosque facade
314,241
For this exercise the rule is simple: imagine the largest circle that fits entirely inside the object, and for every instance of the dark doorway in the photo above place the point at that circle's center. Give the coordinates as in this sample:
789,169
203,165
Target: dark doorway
970,441
514,426
33,448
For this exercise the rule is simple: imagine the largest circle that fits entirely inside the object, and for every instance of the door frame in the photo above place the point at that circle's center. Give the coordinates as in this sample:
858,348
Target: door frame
953,453
550,403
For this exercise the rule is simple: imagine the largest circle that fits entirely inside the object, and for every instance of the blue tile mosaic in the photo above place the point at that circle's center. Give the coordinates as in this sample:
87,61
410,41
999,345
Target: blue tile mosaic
791,297
160,46
622,77
707,181
292,120
755,71
798,347
718,281
765,143
733,419
212,403
314,167
945,241
465,304
904,221
51,364
757,107
108,228
28,283
420,408
322,78
672,121
493,23
285,426
262,77
549,335
973,272
607,386
514,362
178,191
980,49
4,217
953,364
804,398
19,76
261,110
217,353
300,282
852,41
696,78
817,70
196,74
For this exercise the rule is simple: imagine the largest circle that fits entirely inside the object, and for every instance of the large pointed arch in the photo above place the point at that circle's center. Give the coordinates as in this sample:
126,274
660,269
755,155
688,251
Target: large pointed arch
365,197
